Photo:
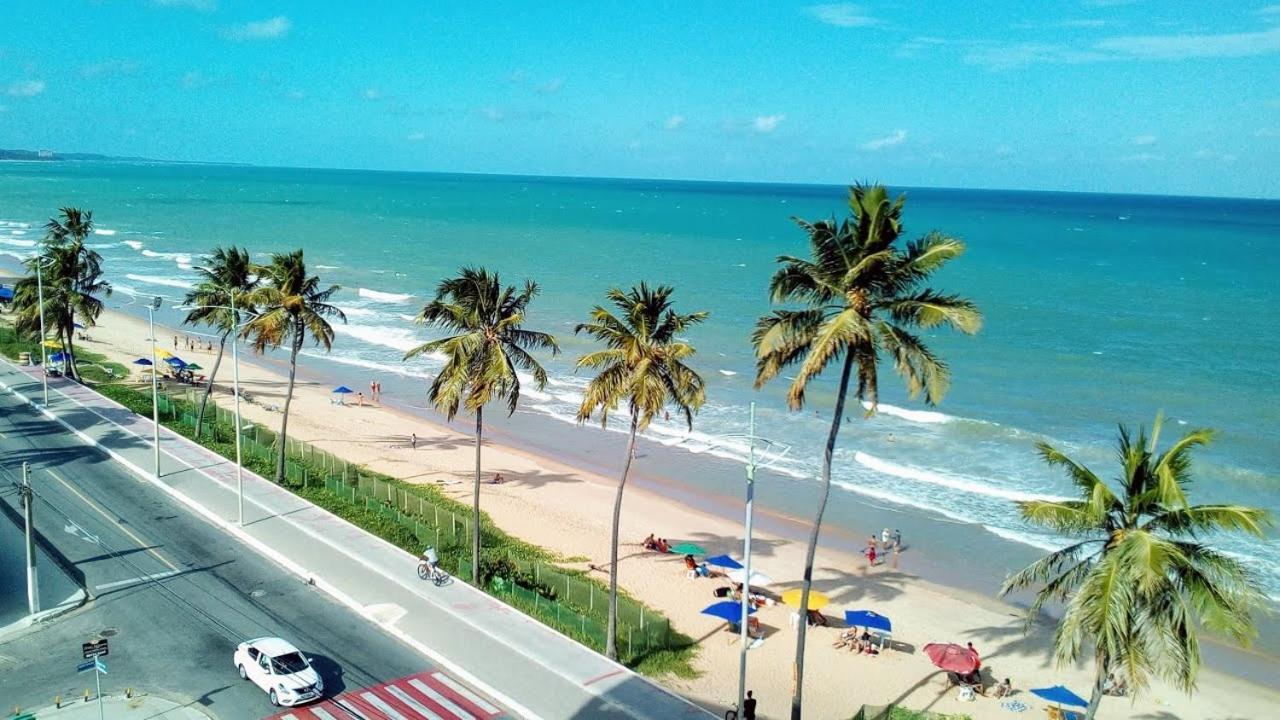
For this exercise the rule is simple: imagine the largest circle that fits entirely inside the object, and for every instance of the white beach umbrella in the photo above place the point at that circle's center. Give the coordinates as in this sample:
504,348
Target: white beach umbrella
758,579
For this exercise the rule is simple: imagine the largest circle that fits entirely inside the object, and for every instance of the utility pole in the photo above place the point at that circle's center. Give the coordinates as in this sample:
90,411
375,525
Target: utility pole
33,596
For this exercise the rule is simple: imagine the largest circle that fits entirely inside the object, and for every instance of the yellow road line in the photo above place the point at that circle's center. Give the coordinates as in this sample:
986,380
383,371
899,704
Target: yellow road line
113,521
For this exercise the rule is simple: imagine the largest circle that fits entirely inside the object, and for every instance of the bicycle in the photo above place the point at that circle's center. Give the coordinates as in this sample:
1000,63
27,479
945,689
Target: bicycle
438,577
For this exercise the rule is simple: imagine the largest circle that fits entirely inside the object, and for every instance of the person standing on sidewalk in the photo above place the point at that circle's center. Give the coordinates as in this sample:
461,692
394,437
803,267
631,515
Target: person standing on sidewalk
749,707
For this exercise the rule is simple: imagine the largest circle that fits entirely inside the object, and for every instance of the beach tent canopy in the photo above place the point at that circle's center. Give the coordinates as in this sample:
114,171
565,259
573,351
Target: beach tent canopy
342,390
176,362
142,361
817,600
724,561
949,656
869,619
6,293
78,326
53,344
58,357
1060,695
161,352
688,548
727,610
758,579
193,366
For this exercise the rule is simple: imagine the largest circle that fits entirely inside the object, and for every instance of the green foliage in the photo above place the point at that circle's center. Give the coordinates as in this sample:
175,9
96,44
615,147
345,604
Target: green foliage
1139,580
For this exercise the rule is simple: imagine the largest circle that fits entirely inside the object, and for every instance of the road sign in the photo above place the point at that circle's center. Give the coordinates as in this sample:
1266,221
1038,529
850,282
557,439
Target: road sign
85,666
94,649
102,667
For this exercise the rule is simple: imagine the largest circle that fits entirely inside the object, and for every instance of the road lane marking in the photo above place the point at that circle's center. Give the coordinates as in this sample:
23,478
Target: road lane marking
379,703
440,700
464,692
417,706
140,579
321,713
163,560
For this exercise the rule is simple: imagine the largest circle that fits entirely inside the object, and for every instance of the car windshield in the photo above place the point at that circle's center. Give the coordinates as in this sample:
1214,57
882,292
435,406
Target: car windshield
289,663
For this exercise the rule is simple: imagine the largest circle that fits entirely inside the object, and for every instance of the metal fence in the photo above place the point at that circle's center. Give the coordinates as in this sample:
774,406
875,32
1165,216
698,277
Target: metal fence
577,607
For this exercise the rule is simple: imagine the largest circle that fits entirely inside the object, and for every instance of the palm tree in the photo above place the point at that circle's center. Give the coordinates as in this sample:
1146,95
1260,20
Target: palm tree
863,296
291,307
486,348
643,366
72,279
226,279
1138,578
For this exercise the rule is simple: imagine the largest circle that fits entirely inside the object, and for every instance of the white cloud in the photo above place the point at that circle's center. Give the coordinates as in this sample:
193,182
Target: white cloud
1141,157
109,68
551,86
269,29
416,136
26,88
205,6
675,122
1144,140
767,123
896,138
371,93
841,15
1178,47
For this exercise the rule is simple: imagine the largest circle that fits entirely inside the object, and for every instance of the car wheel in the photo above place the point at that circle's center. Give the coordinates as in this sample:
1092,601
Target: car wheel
243,675
274,700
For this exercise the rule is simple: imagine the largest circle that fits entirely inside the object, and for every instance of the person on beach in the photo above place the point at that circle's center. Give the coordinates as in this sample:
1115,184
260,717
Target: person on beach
976,658
885,536
650,543
847,638
897,540
1005,688
749,707
360,399
175,342
497,479
871,553
663,546
413,440
690,563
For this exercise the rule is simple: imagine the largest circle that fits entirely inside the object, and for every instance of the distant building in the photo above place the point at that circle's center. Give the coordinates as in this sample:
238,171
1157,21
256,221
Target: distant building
45,154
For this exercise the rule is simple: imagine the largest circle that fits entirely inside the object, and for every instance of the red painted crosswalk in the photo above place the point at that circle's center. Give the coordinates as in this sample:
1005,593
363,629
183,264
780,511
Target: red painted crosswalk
425,696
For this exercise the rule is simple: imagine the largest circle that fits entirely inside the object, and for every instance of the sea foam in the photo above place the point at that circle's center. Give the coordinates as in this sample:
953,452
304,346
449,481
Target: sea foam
967,485
166,281
396,338
385,297
920,416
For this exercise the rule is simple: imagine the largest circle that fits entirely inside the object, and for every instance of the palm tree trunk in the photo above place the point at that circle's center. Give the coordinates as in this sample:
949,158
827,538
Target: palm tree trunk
475,504
208,389
1099,680
611,636
68,349
288,398
797,689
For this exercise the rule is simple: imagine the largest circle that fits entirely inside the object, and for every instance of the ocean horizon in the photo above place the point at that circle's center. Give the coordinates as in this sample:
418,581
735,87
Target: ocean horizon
1100,309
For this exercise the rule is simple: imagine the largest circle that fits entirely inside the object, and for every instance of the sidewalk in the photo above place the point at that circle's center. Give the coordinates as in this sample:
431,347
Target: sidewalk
533,670
139,707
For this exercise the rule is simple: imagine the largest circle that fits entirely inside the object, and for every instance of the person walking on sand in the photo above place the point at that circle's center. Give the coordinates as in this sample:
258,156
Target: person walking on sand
749,707
897,540
413,441
884,541
360,399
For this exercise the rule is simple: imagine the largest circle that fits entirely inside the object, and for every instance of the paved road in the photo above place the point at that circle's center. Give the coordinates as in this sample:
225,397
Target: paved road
175,594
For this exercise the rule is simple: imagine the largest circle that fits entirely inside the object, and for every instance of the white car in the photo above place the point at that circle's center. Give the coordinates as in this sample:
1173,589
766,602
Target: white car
280,669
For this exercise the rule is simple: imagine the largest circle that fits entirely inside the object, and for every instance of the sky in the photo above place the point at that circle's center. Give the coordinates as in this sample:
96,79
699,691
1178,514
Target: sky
1091,95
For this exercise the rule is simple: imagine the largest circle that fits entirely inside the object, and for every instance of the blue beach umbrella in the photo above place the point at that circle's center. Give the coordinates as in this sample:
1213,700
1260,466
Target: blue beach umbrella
78,326
869,619
142,361
1060,695
342,390
176,362
724,561
728,610
57,357
6,293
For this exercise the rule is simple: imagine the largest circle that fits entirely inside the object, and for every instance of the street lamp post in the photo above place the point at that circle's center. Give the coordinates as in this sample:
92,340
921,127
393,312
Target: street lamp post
782,449
44,363
235,388
155,390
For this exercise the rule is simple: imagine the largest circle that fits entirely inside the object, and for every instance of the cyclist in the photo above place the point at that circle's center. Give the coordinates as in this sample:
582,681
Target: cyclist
432,560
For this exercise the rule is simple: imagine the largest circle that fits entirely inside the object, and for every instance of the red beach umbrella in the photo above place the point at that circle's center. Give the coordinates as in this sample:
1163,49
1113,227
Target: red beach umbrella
952,657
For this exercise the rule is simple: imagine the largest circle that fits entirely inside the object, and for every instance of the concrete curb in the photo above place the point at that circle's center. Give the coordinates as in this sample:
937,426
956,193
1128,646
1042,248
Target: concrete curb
77,600
142,706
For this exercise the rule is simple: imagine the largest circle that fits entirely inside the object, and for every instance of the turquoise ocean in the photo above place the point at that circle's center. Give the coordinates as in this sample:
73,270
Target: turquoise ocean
1100,309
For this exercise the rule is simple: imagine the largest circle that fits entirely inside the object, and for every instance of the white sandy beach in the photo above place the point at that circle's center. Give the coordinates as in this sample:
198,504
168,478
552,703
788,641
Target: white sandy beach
567,510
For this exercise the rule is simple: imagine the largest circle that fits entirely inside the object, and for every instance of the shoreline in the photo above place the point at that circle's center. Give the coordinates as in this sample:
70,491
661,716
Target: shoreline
555,501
